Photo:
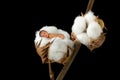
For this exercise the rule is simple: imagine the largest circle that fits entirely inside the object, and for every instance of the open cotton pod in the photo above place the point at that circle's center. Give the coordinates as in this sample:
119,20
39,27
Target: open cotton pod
97,41
55,48
61,49
91,34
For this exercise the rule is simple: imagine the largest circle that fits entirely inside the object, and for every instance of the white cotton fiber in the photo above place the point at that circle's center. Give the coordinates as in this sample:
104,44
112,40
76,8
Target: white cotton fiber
67,39
94,30
57,50
89,16
65,33
37,38
70,44
50,29
79,25
83,38
44,41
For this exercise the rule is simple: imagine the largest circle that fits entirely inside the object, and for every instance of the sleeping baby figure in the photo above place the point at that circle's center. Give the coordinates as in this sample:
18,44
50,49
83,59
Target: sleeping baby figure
53,44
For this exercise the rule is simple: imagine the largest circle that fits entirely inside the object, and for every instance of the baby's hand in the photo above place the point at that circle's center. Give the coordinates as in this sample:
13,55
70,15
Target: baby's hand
56,35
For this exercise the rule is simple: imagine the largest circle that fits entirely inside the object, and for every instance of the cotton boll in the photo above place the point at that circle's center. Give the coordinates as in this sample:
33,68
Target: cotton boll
83,38
79,25
89,16
57,50
94,30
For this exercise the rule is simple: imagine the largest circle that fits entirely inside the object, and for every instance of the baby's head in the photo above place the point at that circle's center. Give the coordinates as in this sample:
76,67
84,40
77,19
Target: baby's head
43,33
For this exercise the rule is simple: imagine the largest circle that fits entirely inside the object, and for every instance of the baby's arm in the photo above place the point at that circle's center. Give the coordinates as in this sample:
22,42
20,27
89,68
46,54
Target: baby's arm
56,35
61,36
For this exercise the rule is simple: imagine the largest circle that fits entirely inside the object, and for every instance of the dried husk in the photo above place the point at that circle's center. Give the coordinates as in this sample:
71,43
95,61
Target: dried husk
98,42
44,51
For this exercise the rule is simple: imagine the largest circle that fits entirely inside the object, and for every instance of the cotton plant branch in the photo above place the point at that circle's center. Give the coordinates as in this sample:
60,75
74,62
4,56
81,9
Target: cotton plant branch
90,5
51,74
70,60
77,47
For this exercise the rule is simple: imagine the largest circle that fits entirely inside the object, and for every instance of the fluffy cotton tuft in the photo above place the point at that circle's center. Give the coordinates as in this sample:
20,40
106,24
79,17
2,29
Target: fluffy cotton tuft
89,16
94,30
70,44
37,38
67,40
50,29
79,25
66,34
44,41
83,38
57,50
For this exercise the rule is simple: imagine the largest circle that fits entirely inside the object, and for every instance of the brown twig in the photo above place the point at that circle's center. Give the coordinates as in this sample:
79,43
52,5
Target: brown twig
51,74
90,5
77,47
71,58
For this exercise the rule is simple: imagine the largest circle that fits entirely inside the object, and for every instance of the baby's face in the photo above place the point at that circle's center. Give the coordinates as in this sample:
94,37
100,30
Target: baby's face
44,34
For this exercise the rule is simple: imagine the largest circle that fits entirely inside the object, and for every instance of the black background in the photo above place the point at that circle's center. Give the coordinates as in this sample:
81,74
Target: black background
24,63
